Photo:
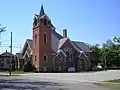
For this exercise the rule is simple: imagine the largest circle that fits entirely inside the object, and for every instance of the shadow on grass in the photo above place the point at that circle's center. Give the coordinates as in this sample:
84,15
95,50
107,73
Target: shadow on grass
21,84
8,75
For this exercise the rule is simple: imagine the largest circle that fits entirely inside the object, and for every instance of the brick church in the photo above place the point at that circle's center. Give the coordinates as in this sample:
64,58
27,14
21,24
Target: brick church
52,52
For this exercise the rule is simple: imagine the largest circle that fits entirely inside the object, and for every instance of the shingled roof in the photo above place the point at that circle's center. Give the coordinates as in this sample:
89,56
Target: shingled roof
82,46
58,40
29,43
7,54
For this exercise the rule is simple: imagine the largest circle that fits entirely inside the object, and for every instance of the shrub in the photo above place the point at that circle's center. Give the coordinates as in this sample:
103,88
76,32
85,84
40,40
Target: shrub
28,67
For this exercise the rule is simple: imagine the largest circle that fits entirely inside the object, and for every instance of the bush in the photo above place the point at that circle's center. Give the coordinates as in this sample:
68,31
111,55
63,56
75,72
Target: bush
28,67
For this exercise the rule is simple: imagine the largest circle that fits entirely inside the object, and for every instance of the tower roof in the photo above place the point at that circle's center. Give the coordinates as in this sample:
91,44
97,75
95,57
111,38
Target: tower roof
42,11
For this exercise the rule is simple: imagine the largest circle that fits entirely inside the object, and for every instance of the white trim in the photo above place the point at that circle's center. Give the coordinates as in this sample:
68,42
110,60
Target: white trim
26,42
42,17
82,53
60,50
25,54
63,39
70,42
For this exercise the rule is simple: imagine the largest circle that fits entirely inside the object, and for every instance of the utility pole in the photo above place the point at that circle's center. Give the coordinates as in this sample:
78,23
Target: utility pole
1,30
11,55
105,59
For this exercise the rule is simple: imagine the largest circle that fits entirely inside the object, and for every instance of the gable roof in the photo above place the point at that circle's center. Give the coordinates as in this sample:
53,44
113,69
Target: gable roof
82,46
19,55
57,34
63,40
61,51
83,54
29,43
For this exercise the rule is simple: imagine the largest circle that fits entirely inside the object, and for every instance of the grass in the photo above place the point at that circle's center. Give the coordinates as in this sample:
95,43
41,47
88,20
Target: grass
9,75
112,86
20,72
13,72
114,81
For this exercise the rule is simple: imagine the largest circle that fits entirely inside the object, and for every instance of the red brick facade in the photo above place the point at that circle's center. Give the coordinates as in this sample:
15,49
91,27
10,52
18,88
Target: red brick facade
48,44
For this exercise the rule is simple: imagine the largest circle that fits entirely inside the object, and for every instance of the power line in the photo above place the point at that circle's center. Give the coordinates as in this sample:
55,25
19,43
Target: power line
2,29
7,45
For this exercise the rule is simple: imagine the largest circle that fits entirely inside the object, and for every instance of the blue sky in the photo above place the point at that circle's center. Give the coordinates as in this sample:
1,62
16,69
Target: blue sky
91,21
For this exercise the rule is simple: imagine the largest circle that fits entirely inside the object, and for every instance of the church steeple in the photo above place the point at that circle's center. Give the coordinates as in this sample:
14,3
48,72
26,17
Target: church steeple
42,11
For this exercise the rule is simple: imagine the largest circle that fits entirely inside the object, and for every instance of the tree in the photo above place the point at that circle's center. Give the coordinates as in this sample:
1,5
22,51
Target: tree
96,54
116,39
108,54
28,67
111,52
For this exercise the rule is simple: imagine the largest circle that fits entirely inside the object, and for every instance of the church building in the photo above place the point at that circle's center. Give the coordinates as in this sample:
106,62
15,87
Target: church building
52,52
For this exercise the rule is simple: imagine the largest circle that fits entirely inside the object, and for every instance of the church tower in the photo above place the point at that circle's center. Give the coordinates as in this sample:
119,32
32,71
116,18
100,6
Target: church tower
41,39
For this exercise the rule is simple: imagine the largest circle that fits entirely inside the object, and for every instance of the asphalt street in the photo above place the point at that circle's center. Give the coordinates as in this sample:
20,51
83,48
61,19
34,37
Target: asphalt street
25,83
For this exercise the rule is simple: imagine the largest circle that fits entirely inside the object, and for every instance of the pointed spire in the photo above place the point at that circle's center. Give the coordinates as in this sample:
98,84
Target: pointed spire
42,11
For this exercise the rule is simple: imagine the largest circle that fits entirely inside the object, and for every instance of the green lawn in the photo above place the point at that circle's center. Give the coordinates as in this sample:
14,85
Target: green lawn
9,75
114,84
20,72
15,72
114,81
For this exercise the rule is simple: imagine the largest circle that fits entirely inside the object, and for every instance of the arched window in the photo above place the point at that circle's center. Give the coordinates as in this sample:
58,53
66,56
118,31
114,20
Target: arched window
45,22
41,21
45,38
68,54
35,38
45,58
49,22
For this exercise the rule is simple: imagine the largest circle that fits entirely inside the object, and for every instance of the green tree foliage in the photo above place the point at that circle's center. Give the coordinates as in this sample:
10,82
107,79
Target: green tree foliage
28,67
110,51
96,54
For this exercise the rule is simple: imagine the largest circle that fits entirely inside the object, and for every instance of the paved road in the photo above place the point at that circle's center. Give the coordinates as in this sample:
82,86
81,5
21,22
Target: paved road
23,83
58,81
82,77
